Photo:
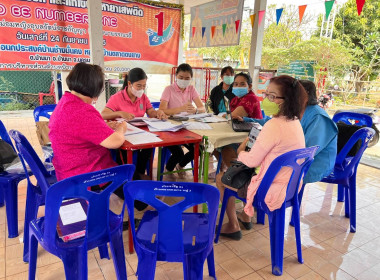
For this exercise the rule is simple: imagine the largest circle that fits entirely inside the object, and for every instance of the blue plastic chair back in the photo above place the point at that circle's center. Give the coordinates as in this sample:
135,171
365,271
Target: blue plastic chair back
97,227
169,241
27,154
300,161
155,105
353,118
4,135
348,164
43,111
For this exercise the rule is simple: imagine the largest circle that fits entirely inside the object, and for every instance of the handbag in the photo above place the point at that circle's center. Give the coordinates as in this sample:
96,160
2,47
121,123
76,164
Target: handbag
238,175
7,154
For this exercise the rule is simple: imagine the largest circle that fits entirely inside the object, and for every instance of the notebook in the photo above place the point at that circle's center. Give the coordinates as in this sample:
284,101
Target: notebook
72,219
237,125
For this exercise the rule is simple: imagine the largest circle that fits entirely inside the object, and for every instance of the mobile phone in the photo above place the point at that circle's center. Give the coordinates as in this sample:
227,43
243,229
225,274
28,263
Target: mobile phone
252,136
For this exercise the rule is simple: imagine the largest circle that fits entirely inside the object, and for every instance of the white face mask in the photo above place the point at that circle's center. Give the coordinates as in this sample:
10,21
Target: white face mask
183,83
137,93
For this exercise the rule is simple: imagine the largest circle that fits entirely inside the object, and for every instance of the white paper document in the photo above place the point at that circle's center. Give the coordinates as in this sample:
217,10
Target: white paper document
213,119
133,130
196,125
72,213
163,126
199,116
142,138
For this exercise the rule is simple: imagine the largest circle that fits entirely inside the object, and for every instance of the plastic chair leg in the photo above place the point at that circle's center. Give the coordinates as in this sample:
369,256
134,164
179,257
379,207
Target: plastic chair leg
193,267
1,195
75,263
103,252
218,166
340,193
300,195
276,230
33,247
211,264
226,196
31,210
118,256
347,202
146,267
260,217
10,193
352,198
41,97
297,229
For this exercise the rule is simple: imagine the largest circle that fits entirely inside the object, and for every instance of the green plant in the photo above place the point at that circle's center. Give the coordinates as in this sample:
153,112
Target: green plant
15,106
6,85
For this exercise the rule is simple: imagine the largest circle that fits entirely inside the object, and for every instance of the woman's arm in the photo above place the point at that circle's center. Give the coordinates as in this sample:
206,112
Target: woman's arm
116,139
239,112
159,114
108,114
200,107
173,111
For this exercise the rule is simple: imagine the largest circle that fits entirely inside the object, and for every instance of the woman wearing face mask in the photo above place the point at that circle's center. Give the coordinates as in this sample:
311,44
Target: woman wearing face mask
178,98
216,101
274,140
132,102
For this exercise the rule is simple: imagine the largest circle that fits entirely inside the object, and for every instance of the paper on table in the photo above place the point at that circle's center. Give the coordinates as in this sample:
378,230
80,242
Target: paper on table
196,125
72,213
142,138
133,130
163,126
198,116
214,119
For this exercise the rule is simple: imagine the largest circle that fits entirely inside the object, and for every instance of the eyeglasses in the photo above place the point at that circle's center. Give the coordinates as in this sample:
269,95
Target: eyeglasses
271,97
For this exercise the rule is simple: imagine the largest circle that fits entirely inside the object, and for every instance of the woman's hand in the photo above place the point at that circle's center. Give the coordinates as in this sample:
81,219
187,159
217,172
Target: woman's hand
161,115
240,119
242,146
126,115
112,124
121,127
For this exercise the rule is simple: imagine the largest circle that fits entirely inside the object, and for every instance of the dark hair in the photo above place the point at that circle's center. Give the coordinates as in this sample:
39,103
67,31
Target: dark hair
134,75
225,69
311,90
86,79
185,68
246,76
295,96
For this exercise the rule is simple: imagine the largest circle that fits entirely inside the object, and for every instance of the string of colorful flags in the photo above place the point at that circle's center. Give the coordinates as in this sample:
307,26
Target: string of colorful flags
301,12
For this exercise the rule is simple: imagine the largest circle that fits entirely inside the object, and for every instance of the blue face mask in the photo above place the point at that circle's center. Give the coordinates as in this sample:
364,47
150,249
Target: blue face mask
240,91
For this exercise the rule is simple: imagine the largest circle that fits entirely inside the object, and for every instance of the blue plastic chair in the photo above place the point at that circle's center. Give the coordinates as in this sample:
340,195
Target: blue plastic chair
43,111
9,191
35,196
277,217
155,105
351,118
102,226
170,235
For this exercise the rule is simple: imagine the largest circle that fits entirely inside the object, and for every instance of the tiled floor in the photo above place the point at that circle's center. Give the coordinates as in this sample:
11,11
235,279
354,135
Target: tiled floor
330,251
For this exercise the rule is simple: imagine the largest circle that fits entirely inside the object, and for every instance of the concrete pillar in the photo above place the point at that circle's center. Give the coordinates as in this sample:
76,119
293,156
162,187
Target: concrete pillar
95,31
257,44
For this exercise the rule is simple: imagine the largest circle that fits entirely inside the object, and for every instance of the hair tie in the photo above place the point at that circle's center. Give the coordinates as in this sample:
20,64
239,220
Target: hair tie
295,83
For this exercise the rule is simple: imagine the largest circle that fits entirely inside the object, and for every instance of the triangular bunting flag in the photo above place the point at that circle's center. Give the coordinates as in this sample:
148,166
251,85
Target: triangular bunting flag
212,31
301,11
278,14
252,19
203,31
261,16
359,6
193,30
237,23
224,26
328,6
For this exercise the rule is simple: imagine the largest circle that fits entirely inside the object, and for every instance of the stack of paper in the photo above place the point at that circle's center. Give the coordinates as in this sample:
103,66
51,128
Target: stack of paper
196,125
136,136
163,126
213,119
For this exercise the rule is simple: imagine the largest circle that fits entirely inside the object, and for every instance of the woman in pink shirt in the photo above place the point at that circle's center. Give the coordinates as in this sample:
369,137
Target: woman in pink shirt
283,133
129,103
79,136
178,98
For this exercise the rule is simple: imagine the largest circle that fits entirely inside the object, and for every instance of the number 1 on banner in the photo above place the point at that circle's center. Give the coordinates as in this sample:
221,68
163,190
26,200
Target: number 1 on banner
160,19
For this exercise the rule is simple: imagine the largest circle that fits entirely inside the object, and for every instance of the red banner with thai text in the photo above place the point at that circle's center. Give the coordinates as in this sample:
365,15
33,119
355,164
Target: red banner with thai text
53,35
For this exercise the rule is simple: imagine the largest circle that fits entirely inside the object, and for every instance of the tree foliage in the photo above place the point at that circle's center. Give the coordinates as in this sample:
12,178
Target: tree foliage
361,34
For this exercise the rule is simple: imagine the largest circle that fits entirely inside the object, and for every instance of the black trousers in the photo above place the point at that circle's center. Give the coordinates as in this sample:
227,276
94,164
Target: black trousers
143,157
178,156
